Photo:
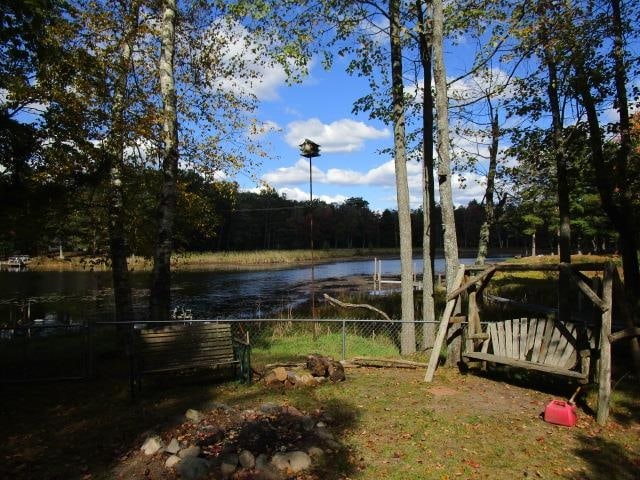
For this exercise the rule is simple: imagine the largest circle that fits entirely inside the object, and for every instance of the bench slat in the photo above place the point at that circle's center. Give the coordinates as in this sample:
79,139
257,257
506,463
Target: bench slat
500,350
522,354
512,362
508,339
531,337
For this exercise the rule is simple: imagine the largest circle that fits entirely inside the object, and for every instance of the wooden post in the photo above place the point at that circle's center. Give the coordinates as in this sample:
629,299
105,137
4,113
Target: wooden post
442,329
604,380
622,307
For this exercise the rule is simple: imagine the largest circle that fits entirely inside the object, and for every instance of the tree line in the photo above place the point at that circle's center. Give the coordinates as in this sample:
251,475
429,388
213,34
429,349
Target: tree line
45,218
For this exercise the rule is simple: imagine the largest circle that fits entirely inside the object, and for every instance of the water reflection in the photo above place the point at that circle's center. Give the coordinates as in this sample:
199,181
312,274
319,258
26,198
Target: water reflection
208,294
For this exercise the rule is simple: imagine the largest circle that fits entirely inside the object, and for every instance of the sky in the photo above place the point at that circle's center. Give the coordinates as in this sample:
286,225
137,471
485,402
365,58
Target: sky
350,163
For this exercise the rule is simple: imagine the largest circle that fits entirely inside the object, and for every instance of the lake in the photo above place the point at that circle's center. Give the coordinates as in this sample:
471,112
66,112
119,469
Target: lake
208,293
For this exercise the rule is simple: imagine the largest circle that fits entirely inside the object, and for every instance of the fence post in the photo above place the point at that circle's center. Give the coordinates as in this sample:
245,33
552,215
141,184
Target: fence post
344,339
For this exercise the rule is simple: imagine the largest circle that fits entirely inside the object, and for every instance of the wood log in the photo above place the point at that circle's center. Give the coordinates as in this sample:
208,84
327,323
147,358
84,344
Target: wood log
387,362
629,332
337,302
442,330
280,373
472,281
317,365
586,289
604,380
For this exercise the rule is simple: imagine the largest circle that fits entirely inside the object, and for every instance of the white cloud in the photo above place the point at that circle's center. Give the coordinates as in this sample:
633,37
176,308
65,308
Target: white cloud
243,55
343,135
302,196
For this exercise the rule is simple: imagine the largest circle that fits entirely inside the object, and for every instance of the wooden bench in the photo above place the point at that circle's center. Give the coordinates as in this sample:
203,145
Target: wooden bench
189,347
545,345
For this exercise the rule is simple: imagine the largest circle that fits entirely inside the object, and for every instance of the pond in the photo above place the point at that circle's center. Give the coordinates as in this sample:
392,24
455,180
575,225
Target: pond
207,293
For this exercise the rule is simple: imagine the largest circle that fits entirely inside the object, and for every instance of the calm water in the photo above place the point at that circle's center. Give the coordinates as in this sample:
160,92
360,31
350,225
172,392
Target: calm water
209,294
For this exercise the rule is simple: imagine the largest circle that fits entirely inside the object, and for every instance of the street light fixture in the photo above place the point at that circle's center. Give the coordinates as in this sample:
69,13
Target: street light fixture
309,149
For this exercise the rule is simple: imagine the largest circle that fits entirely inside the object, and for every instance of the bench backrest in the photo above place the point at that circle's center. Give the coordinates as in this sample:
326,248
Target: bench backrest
543,341
184,346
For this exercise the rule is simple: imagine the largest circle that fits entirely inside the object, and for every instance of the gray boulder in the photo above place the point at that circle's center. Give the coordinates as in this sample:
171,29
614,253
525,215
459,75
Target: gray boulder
152,445
193,468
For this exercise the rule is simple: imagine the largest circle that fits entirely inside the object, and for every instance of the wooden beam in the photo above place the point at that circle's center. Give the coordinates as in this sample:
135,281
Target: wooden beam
472,281
629,320
442,329
548,267
586,289
629,332
604,380
512,362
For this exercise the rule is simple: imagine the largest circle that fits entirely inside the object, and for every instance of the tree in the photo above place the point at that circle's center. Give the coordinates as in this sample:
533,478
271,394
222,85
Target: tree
407,340
444,154
160,296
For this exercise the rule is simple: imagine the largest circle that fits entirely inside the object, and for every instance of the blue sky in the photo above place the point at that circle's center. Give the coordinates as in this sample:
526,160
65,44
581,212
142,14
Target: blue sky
350,164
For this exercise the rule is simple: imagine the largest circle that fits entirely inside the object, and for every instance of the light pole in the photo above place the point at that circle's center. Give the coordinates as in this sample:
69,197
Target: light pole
309,149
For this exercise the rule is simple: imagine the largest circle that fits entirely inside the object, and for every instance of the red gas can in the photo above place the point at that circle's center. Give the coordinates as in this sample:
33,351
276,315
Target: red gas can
560,413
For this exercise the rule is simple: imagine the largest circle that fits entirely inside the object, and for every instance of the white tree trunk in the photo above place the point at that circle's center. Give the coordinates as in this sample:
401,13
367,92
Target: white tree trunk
160,297
442,126
407,337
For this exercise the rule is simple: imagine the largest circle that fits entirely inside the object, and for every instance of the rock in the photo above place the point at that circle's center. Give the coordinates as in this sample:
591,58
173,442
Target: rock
270,408
292,378
294,461
327,437
173,447
172,461
193,468
152,445
193,415
315,453
228,465
293,411
308,423
261,461
299,461
191,451
247,459
280,461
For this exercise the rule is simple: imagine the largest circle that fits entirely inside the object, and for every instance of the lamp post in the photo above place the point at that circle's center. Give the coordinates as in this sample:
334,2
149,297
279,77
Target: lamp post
309,149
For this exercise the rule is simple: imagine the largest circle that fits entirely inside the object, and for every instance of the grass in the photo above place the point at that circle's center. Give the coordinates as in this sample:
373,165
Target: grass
217,260
296,347
389,423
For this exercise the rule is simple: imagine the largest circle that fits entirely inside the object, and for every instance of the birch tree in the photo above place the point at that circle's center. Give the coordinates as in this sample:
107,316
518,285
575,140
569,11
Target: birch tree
444,154
160,297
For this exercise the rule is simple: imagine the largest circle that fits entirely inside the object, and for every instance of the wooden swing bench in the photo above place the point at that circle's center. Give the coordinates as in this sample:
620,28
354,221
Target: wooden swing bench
543,344
189,347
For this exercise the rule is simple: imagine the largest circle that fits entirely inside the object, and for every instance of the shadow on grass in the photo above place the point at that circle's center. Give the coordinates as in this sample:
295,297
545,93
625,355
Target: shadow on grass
69,430
608,459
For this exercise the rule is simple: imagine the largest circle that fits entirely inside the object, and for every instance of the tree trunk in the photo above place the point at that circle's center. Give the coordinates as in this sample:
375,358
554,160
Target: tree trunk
444,166
160,299
630,246
114,160
564,237
618,215
407,340
485,229
428,188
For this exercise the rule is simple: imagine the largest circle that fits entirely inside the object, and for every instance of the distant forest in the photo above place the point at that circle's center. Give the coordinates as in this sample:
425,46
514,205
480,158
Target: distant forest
41,216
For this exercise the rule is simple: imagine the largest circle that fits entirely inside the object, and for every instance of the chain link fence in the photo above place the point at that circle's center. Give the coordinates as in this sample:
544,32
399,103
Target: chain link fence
102,349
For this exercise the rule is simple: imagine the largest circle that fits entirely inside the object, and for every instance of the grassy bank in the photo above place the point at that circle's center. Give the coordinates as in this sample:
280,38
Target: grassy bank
214,260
